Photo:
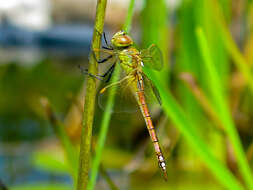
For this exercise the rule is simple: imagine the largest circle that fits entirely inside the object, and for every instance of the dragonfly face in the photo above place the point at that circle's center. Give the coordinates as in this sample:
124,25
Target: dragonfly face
121,40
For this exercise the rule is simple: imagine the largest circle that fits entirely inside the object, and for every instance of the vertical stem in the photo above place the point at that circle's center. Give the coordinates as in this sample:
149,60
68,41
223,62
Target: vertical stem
58,127
128,21
107,113
89,104
102,133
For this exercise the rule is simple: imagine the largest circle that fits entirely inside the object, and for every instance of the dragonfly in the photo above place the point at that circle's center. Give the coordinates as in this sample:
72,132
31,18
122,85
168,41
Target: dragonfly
132,61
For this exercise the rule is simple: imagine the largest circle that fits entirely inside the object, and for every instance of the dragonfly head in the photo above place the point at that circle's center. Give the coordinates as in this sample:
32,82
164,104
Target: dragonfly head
121,40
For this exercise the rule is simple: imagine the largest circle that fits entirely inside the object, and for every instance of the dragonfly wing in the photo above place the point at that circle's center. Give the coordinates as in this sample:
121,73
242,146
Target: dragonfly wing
106,60
152,57
102,54
125,100
151,92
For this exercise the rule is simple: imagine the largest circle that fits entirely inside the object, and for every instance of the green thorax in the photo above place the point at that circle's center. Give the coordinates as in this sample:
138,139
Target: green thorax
129,59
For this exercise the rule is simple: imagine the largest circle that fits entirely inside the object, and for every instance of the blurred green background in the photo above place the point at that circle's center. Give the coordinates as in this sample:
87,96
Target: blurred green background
205,122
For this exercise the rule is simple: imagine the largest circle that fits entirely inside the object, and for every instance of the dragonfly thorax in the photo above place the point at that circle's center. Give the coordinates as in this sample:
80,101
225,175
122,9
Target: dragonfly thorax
130,59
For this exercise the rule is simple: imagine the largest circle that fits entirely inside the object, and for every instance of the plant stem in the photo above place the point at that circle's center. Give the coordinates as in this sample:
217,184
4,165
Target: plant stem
128,21
107,112
89,105
102,134
107,178
58,127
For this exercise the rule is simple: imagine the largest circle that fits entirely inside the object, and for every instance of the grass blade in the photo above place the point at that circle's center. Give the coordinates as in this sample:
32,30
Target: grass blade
239,60
222,109
59,130
179,118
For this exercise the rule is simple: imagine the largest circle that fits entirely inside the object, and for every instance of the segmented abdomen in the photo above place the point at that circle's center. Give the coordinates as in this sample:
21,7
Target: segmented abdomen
146,114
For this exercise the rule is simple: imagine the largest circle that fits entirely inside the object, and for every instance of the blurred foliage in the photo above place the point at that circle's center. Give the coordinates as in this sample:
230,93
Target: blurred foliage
205,136
42,187
21,88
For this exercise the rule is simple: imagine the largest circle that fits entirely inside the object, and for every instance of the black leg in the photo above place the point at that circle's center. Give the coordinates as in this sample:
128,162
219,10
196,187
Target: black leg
108,71
105,40
85,71
98,32
110,75
108,48
105,59
99,77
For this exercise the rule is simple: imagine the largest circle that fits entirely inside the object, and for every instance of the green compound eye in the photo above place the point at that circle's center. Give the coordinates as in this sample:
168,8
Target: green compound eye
121,39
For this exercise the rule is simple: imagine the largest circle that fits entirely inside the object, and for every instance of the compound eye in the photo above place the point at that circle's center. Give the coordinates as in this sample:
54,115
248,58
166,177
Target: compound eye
125,40
123,32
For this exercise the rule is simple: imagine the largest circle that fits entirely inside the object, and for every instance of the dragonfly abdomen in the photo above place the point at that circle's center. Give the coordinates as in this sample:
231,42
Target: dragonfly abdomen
146,114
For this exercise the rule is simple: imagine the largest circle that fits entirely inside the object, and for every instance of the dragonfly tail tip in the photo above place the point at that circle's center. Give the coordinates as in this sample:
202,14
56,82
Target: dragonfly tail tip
165,175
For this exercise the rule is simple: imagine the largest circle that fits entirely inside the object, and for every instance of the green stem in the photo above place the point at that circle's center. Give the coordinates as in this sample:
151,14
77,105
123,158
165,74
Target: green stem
128,21
59,130
89,106
107,112
107,178
103,133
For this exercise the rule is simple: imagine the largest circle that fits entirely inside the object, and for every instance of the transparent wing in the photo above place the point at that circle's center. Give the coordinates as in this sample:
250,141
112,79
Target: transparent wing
152,57
106,59
125,96
105,55
125,100
151,93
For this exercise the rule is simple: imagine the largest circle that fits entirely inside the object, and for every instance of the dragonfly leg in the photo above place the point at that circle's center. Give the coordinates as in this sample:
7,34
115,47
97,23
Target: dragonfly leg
102,60
115,83
103,50
109,71
108,46
85,71
106,42
94,76
105,59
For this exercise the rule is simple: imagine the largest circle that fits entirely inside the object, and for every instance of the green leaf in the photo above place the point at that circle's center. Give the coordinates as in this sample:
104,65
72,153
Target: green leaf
222,108
184,124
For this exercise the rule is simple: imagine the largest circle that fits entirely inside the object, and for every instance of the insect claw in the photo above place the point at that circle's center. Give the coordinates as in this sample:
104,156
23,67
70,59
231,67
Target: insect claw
102,90
81,68
108,48
100,33
94,56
